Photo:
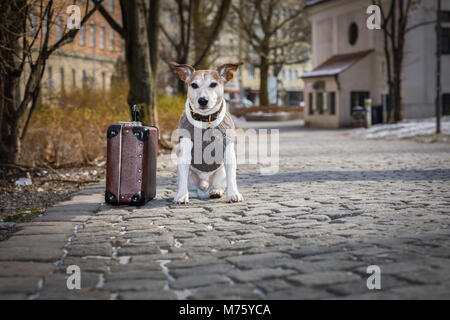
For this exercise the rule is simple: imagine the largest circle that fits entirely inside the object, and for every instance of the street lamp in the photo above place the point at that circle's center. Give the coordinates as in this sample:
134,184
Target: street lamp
438,64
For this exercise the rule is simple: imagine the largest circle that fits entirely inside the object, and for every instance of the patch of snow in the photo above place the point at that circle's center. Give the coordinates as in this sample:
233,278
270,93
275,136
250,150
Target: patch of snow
404,129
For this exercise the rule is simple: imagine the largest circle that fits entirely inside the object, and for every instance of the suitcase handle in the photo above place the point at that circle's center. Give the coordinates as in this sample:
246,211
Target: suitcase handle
135,115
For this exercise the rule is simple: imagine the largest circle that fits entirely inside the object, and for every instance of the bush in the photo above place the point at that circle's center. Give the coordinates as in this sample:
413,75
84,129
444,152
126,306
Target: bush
71,128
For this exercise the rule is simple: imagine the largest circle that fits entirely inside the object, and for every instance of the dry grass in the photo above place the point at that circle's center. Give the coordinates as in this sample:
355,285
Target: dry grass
71,129
170,110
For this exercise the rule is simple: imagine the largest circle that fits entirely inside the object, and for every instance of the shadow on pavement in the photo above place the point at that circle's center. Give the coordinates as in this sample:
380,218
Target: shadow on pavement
347,176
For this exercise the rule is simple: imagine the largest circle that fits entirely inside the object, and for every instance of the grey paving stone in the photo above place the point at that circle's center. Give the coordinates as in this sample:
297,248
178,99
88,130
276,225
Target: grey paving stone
135,285
201,270
189,282
24,269
256,260
40,228
227,292
135,275
94,249
45,252
147,295
19,285
298,293
130,250
324,278
259,274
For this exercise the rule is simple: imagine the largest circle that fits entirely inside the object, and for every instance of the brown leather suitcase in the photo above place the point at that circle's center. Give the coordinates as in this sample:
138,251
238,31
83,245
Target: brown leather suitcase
132,150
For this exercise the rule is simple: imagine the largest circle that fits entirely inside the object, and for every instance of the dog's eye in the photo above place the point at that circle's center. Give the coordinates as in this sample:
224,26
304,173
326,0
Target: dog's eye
194,85
213,85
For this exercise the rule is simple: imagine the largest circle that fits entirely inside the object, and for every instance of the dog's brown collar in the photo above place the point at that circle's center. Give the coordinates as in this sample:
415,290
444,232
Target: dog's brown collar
207,117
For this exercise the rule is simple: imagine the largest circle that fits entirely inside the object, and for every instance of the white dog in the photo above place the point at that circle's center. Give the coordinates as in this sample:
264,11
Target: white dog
206,158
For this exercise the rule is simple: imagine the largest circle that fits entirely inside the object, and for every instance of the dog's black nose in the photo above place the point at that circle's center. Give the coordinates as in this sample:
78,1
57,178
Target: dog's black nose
202,102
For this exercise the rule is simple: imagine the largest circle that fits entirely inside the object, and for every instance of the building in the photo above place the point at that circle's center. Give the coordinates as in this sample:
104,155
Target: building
349,63
90,60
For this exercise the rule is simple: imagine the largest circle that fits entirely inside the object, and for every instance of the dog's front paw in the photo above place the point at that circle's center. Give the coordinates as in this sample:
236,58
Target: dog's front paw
235,197
181,198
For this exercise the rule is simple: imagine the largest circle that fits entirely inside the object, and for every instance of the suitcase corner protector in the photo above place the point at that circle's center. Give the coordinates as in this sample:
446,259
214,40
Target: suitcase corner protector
111,198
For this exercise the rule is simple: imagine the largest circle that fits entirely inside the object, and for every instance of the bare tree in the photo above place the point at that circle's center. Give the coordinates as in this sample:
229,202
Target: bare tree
199,24
140,31
277,34
395,16
30,31
209,18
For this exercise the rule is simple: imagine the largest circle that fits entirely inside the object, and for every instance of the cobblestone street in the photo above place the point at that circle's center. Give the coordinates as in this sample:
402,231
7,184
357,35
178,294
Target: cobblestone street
337,205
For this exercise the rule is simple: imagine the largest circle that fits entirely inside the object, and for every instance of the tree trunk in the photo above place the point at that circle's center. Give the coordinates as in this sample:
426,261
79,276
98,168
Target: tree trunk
263,77
199,30
138,59
13,14
10,136
153,44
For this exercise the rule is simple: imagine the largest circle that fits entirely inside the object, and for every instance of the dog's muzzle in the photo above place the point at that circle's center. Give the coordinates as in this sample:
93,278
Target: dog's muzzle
203,103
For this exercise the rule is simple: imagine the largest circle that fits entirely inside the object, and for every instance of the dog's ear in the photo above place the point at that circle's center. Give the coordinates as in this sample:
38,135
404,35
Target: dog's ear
185,71
227,70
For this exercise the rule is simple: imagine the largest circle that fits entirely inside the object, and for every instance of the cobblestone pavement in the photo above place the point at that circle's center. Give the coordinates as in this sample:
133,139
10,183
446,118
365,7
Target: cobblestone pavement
337,205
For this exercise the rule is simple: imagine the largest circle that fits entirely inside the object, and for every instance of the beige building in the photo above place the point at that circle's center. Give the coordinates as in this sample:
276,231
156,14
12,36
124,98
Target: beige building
90,60
349,64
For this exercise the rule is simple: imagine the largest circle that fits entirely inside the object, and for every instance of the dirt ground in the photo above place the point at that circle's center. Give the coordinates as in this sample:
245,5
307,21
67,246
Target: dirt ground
20,202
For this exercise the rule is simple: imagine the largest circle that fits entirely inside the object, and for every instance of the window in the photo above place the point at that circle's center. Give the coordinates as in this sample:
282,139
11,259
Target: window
59,26
85,79
353,34
102,37
310,103
74,78
231,46
172,18
217,44
103,80
332,103
50,79
251,72
33,21
445,16
111,5
82,36
111,39
232,16
44,24
290,75
320,102
446,104
61,73
357,99
445,49
283,74
92,34
296,75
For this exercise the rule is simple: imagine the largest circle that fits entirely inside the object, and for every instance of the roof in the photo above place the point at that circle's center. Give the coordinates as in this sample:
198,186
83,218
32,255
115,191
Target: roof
312,3
336,64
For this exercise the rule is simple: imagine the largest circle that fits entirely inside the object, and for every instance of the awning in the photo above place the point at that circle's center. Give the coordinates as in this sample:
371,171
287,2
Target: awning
336,64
